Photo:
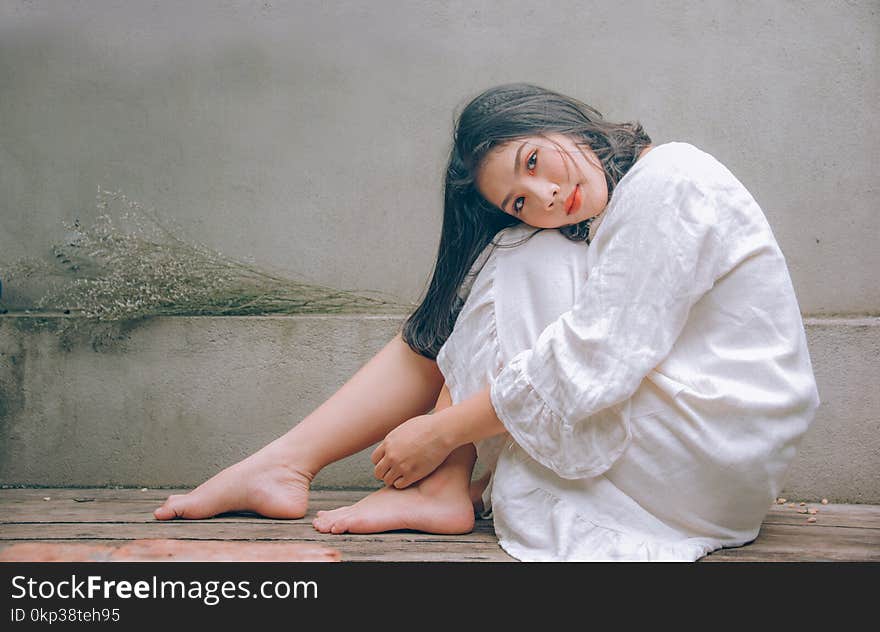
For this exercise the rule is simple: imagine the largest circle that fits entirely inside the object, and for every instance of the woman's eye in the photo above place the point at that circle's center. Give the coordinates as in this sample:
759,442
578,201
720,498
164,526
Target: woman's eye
531,163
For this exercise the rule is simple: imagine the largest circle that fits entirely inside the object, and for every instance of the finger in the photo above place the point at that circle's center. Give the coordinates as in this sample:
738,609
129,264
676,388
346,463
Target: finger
402,482
378,453
390,476
381,469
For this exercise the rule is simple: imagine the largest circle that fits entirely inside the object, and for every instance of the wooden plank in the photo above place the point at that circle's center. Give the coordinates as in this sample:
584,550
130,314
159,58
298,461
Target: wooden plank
168,551
215,530
814,543
846,508
837,515
841,532
126,505
132,505
156,495
373,551
382,551
112,510
60,510
17,505
774,542
153,496
776,556
746,554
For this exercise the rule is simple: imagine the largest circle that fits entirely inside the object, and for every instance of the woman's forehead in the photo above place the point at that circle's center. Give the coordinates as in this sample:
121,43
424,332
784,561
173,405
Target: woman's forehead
501,159
496,171
549,140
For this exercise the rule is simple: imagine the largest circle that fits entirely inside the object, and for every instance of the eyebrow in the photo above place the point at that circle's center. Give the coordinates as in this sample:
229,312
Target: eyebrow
516,170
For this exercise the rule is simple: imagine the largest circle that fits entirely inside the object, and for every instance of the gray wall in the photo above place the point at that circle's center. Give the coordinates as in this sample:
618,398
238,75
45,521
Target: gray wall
312,135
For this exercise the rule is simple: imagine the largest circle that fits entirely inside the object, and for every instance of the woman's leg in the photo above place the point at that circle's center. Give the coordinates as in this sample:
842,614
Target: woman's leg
439,503
522,288
395,385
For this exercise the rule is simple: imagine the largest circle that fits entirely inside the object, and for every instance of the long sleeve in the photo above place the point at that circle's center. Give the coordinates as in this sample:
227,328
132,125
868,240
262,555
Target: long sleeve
566,400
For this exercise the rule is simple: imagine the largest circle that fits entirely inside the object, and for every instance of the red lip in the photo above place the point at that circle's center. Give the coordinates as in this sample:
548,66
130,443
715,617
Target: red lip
573,201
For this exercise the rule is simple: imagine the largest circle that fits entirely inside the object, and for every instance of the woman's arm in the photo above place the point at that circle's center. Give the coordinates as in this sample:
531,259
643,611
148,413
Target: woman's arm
566,400
417,447
469,421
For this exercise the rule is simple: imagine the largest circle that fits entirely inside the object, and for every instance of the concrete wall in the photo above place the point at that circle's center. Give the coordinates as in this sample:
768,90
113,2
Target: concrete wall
312,134
173,401
177,399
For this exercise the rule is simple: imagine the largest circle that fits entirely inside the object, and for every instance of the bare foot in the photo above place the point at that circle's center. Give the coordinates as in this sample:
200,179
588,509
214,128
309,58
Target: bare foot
433,505
266,483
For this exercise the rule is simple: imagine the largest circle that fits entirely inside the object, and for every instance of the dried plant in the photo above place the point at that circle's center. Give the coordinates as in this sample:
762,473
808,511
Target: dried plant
136,266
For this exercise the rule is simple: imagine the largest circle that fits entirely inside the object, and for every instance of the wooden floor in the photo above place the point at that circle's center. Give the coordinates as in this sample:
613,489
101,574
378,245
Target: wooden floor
49,519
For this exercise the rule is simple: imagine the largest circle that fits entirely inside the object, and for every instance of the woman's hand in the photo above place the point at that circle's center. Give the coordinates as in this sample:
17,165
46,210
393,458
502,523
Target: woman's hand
410,452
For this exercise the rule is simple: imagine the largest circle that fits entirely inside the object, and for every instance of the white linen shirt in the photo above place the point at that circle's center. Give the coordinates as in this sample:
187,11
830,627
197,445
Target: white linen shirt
655,418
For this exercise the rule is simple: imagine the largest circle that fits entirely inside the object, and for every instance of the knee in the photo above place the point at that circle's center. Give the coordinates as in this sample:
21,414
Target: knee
535,283
544,262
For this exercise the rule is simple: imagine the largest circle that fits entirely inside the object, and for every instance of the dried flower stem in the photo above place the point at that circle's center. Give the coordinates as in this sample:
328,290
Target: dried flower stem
139,268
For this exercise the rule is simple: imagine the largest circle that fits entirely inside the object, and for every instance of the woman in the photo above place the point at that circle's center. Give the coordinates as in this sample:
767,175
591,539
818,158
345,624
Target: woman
620,342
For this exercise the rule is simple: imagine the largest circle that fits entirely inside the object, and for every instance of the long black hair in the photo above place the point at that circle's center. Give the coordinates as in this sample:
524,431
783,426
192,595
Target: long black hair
495,117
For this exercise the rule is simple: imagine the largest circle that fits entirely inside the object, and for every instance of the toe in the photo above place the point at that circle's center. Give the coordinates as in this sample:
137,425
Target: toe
331,521
321,524
186,506
169,510
163,513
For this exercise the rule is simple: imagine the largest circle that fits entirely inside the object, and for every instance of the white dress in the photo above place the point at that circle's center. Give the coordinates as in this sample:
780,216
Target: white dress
654,384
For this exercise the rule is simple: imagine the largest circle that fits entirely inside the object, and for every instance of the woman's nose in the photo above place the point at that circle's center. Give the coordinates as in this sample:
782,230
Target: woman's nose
545,194
550,198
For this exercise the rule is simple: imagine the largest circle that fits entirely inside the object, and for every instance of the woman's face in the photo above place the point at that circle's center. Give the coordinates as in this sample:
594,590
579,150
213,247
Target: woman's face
545,181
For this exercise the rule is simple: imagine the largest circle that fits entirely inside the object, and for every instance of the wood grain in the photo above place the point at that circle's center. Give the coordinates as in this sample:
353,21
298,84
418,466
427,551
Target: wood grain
119,522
